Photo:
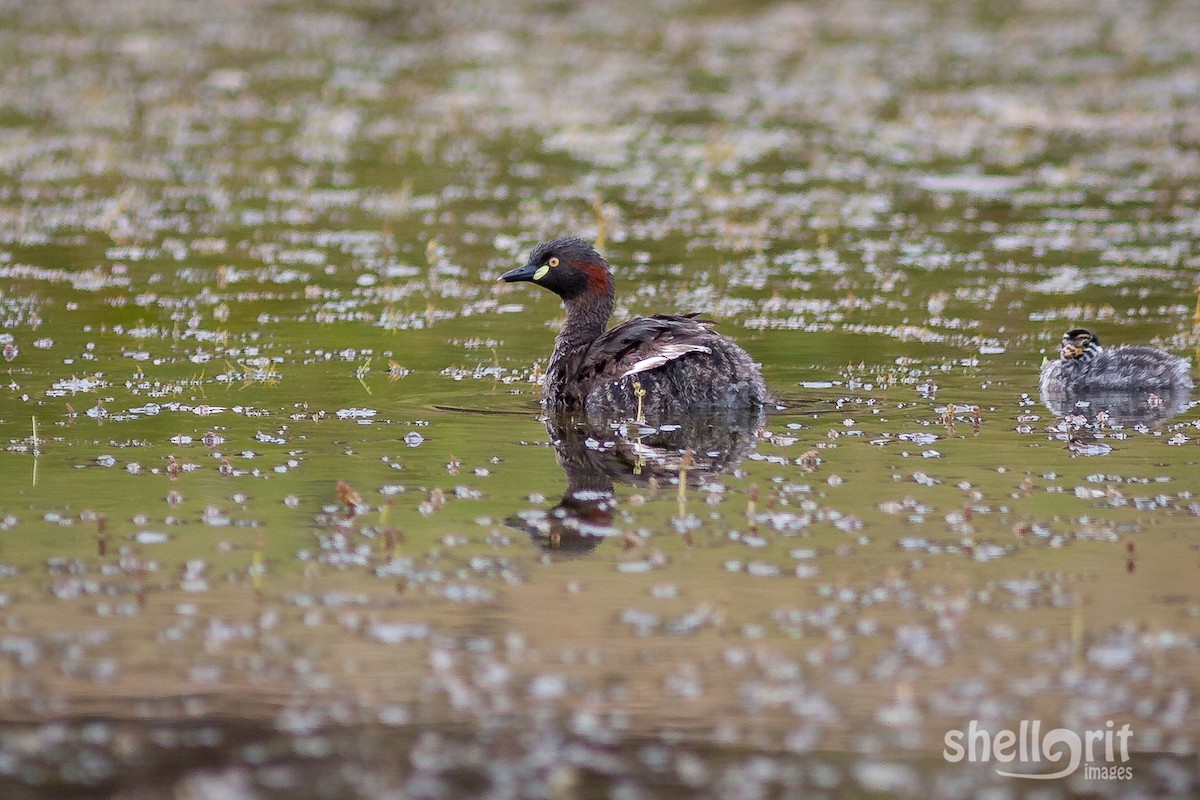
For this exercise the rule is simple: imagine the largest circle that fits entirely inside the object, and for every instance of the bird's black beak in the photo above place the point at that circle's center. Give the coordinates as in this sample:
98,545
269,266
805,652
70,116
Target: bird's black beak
524,273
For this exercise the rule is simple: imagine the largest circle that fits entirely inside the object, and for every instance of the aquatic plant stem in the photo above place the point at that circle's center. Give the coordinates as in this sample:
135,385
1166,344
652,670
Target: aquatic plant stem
37,450
361,373
601,223
685,463
1077,632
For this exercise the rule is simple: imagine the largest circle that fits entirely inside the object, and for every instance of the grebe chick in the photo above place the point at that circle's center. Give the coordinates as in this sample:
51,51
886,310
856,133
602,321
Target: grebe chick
672,364
1085,366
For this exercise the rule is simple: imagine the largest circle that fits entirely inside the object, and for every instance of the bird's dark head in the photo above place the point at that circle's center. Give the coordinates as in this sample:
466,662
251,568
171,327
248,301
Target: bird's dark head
569,267
1079,343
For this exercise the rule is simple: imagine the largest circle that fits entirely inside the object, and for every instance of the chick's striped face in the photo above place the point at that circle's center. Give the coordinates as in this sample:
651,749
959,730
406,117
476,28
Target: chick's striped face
1075,343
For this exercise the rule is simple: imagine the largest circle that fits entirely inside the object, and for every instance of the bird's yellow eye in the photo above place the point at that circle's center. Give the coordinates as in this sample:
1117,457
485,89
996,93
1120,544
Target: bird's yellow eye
553,262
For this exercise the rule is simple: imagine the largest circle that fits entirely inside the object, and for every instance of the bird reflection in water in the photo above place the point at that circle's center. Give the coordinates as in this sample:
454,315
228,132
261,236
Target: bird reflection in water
640,455
1085,416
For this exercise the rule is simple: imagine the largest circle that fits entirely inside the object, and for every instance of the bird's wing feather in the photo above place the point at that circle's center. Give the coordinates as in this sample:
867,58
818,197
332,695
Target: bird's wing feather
662,355
643,344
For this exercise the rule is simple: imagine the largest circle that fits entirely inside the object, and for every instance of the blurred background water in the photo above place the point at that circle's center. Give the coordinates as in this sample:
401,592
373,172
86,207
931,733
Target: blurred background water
279,516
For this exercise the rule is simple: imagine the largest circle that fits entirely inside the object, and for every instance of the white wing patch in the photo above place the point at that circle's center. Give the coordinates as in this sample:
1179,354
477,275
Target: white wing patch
664,354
